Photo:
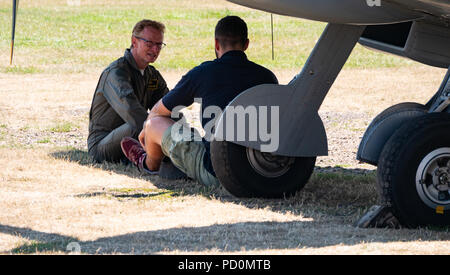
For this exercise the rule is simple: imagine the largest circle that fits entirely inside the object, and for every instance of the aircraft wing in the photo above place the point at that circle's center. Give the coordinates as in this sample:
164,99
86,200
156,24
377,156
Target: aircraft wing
363,12
416,29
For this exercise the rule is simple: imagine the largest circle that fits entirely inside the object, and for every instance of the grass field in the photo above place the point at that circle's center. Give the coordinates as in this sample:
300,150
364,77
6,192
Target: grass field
62,36
51,194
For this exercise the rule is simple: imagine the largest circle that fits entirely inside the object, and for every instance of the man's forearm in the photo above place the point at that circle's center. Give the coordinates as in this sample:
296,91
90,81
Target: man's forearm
152,114
158,110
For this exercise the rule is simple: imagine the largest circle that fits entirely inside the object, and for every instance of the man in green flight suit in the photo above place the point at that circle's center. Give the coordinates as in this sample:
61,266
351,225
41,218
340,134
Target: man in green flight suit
126,90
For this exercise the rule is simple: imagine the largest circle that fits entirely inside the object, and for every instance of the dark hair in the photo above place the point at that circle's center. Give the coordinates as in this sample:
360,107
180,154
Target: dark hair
231,30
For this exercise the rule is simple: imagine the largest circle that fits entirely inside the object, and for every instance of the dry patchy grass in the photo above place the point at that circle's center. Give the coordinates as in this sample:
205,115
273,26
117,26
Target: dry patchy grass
52,194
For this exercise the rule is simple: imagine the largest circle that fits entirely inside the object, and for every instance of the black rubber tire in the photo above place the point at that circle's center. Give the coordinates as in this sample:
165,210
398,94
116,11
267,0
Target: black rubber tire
398,164
237,176
414,109
404,106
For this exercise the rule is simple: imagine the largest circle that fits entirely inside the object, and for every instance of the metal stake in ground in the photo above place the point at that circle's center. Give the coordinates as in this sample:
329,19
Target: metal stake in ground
14,15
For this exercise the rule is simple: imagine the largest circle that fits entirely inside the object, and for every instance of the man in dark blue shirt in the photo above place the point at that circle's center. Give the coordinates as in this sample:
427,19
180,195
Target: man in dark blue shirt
214,83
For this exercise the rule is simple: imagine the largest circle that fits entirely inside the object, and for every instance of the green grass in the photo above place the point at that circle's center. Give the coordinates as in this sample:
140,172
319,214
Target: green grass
44,140
25,128
63,127
31,247
338,188
20,69
3,131
143,194
57,37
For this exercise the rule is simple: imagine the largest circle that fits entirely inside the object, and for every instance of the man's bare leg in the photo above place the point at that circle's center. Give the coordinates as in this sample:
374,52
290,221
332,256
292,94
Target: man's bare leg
154,130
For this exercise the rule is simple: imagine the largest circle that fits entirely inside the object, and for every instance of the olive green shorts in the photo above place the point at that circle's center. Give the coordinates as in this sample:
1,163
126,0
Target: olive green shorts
186,153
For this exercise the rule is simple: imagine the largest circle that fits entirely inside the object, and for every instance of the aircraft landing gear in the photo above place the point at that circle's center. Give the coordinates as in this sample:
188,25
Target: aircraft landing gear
243,166
414,171
246,172
410,144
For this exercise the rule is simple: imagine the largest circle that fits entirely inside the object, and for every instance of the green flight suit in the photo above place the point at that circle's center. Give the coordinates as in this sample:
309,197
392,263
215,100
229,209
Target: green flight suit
119,107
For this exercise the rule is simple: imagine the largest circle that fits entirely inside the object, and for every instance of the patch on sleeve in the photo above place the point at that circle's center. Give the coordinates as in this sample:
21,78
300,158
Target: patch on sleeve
153,84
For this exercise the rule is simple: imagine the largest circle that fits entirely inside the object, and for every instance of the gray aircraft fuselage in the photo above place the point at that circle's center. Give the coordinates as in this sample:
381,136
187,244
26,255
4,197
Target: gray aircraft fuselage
415,29
359,12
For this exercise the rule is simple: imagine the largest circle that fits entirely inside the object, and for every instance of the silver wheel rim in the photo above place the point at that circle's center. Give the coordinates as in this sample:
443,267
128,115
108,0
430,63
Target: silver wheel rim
433,179
267,164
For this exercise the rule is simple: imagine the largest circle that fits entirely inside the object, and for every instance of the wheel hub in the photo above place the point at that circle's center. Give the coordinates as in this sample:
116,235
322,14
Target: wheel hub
441,181
267,164
433,179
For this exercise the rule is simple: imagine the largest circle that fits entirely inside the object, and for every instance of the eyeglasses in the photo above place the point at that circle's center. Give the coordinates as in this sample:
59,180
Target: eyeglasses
151,44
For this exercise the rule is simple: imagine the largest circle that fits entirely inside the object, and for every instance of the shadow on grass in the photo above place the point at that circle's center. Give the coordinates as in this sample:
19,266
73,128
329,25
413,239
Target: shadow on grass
236,237
330,190
176,187
333,199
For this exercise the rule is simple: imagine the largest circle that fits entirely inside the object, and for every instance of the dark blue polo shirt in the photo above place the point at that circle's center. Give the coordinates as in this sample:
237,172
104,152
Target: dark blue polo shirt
217,82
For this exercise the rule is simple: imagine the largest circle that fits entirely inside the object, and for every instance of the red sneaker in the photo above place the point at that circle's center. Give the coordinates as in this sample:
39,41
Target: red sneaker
134,151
